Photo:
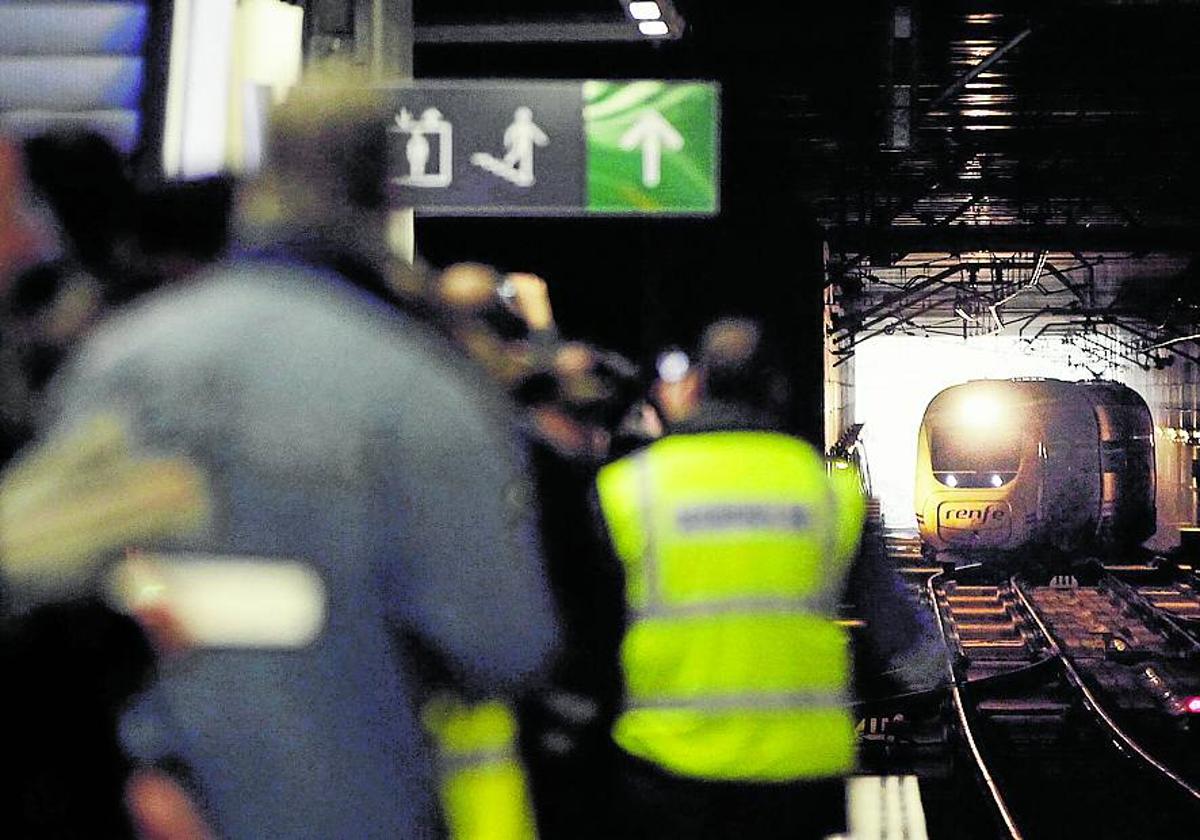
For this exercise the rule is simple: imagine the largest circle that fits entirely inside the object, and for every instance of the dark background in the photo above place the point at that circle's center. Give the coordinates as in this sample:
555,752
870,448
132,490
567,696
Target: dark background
1077,143
637,285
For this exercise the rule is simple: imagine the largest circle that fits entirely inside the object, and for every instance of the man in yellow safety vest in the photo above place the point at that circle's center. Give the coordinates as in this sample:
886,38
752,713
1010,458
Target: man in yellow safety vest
737,545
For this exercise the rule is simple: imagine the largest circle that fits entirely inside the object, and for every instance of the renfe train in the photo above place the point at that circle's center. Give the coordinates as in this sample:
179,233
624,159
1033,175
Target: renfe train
1007,465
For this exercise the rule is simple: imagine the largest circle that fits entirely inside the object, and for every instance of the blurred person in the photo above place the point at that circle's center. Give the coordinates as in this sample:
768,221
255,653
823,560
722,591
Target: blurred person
529,296
482,781
677,389
80,203
641,426
470,305
70,667
737,547
573,407
302,494
84,180
572,396
30,237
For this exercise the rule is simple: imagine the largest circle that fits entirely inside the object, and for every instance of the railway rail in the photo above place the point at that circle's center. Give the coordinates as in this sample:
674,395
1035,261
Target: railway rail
1072,698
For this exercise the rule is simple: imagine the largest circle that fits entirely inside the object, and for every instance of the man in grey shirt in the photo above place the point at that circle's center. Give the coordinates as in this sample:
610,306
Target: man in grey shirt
293,485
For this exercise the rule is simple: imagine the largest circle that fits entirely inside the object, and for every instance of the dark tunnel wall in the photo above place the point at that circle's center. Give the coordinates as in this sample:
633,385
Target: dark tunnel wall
640,286
1173,395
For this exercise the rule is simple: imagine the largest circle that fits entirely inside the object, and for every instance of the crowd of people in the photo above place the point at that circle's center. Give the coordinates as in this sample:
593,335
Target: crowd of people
299,540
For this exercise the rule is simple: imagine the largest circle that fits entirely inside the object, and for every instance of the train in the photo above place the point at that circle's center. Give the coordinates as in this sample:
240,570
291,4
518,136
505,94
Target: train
1022,465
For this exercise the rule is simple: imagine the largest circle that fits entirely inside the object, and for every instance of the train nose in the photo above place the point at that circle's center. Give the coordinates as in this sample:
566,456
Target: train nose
976,522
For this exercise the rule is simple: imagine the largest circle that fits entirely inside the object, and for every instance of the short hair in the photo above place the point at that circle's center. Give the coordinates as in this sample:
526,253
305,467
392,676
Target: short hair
735,364
332,129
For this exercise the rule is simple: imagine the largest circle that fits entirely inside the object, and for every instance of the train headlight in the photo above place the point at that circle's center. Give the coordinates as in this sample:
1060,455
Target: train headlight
951,481
996,480
981,410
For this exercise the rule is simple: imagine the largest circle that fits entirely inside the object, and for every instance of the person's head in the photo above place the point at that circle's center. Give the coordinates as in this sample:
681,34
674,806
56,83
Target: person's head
466,289
735,366
326,158
84,179
46,301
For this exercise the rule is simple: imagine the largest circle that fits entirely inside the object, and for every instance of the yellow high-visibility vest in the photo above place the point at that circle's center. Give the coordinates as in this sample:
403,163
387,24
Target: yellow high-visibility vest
736,547
482,782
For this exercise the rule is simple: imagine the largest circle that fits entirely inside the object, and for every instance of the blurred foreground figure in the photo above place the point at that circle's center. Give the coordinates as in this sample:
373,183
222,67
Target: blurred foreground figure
69,667
737,546
300,493
572,396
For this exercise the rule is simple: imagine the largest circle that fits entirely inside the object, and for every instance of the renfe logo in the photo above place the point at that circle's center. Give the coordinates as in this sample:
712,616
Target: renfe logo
974,519
965,516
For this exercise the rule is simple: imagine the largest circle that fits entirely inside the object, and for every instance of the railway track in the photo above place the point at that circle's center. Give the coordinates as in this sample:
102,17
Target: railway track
1071,700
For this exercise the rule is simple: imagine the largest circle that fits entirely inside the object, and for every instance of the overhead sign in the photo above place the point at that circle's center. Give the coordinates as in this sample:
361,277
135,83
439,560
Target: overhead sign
652,147
554,148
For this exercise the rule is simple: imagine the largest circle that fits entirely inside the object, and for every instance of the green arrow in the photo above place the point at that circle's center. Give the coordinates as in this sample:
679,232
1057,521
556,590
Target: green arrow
652,132
651,147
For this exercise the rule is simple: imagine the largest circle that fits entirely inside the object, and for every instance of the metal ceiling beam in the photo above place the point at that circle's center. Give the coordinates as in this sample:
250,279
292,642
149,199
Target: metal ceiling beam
962,81
921,291
1152,339
1077,290
1112,351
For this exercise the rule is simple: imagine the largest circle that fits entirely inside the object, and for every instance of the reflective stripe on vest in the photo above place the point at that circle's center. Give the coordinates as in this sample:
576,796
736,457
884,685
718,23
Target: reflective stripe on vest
736,546
482,783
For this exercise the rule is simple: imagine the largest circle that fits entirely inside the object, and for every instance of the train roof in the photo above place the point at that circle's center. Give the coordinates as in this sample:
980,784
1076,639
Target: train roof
1097,392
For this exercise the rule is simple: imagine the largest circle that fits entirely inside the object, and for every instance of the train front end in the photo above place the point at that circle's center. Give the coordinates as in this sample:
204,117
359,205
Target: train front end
973,484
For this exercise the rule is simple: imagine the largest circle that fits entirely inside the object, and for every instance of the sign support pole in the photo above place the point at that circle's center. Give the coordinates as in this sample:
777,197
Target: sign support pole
391,60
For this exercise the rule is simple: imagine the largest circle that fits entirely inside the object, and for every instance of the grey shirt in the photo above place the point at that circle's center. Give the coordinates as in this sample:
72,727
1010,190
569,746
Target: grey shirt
322,429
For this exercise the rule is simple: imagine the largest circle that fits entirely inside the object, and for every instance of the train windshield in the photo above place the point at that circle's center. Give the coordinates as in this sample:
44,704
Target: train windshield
963,455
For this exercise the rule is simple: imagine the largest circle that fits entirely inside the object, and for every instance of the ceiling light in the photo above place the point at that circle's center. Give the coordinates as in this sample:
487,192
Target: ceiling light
644,10
653,27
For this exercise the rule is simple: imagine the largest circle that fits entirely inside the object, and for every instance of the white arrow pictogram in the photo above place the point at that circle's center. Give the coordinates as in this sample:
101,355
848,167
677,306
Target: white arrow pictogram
652,132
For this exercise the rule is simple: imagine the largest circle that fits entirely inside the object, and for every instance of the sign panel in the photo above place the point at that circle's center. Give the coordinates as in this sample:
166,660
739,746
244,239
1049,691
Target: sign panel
651,147
554,148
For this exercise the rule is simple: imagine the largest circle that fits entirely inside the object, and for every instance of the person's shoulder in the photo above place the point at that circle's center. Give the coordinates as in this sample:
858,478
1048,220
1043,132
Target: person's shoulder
228,303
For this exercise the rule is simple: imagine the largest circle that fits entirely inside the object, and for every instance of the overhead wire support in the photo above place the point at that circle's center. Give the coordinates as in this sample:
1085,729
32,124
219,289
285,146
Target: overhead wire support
1167,346
889,306
1171,341
1109,350
962,81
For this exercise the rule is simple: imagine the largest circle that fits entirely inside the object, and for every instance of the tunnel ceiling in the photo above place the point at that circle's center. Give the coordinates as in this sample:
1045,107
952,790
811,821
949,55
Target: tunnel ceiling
1035,175
1020,167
